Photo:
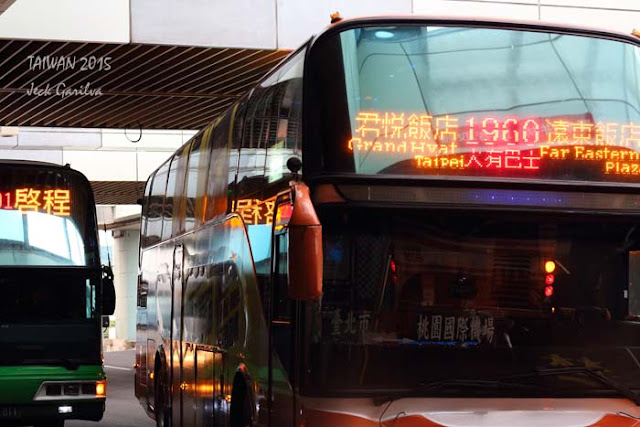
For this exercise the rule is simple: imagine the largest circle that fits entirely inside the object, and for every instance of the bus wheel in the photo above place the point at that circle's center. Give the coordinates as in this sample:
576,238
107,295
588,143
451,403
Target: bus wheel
241,414
163,414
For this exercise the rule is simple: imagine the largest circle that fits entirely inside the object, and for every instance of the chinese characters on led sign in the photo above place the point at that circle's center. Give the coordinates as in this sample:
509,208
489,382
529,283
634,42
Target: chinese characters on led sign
255,211
494,144
53,202
261,212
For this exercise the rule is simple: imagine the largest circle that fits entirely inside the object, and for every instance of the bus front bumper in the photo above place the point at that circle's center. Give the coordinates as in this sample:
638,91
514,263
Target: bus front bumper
52,410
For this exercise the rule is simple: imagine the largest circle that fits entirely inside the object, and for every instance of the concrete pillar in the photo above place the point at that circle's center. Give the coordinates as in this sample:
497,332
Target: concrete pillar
125,271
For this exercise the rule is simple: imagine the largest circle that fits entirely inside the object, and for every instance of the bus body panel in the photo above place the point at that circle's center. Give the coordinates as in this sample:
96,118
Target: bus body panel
215,296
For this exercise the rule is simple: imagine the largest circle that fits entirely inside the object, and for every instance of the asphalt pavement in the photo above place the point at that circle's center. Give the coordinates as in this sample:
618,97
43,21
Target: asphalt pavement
123,408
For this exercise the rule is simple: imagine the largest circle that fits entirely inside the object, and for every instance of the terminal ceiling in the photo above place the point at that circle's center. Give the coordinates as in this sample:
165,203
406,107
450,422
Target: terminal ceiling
146,87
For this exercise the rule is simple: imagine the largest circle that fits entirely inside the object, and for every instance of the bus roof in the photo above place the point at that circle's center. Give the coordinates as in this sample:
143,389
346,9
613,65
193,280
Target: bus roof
50,166
12,162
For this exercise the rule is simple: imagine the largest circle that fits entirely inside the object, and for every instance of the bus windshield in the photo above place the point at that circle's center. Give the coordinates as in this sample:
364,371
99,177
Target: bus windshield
49,267
442,295
483,102
46,219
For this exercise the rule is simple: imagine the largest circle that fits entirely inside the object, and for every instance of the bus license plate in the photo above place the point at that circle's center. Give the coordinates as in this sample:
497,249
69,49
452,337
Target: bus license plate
9,412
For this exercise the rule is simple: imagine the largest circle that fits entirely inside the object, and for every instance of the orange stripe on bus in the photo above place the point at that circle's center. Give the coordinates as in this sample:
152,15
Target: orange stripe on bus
315,418
615,420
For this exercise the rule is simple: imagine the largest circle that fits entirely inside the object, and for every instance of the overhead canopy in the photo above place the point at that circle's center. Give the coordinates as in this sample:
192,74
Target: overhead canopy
5,4
117,192
140,86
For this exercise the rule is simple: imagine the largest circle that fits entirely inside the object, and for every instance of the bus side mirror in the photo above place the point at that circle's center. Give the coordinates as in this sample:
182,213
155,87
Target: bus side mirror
108,291
305,247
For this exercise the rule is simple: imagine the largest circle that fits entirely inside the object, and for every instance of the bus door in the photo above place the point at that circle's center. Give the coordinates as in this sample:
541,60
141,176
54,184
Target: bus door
281,331
194,292
209,393
176,334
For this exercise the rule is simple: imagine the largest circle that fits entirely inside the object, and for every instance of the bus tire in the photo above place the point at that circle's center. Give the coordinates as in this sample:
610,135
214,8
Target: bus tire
161,392
241,407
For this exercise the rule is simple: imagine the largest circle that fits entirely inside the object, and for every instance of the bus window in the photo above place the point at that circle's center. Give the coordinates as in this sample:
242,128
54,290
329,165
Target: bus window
288,119
180,162
256,131
204,150
143,292
156,201
167,212
221,170
235,141
194,170
272,128
145,212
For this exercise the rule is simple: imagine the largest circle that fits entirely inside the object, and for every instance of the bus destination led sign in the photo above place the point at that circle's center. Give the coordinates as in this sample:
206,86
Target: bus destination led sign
28,199
255,211
492,145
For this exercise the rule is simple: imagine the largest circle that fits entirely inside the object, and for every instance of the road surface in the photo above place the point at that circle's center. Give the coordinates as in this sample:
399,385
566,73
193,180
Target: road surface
123,408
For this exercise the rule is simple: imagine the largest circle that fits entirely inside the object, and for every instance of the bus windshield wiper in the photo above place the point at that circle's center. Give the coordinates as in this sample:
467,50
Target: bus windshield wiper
572,370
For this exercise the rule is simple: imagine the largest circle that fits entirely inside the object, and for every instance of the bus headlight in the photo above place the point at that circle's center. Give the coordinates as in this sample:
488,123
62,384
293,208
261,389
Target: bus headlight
101,388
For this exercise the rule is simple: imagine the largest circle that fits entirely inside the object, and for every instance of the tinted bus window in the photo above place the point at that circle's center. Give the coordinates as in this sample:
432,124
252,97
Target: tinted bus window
272,128
170,193
288,121
156,201
180,161
196,181
145,212
204,151
222,169
253,152
191,184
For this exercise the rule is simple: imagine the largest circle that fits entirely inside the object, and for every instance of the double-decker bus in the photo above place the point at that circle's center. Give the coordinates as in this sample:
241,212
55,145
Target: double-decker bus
53,292
410,221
